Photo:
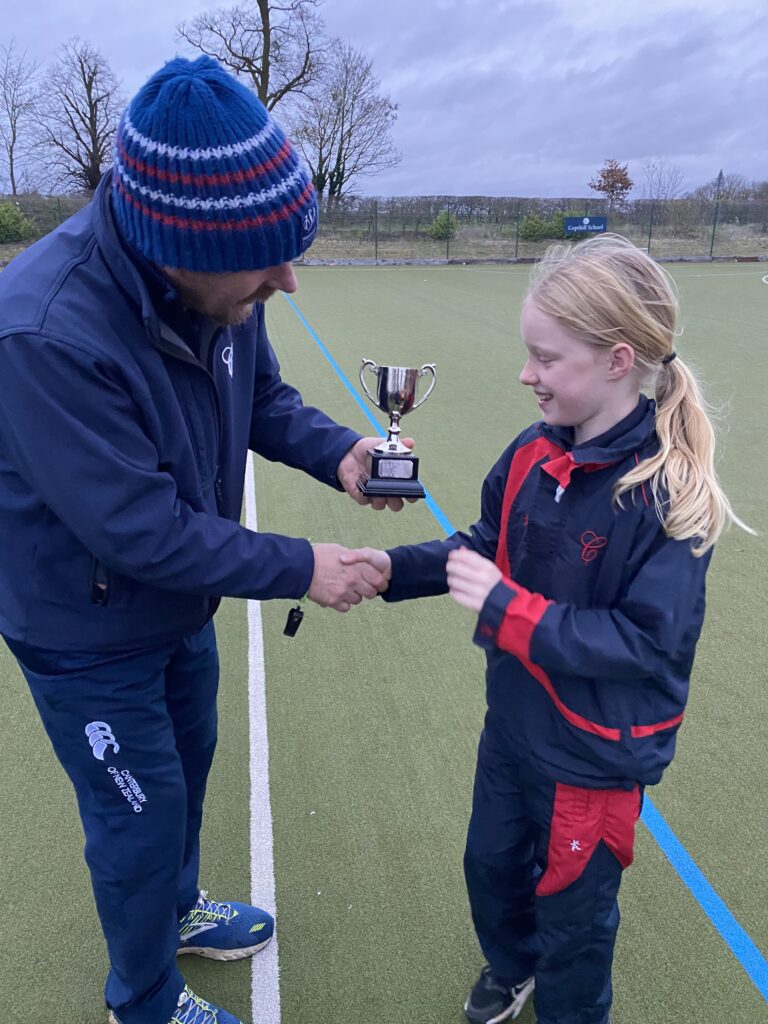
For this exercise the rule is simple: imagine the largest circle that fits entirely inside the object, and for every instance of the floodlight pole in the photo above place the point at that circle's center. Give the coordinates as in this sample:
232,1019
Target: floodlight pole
517,229
718,187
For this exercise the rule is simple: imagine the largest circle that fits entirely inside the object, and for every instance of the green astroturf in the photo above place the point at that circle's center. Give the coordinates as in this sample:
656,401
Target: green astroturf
374,716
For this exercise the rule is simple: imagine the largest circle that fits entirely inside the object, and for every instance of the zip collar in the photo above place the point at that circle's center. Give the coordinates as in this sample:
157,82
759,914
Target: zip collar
624,438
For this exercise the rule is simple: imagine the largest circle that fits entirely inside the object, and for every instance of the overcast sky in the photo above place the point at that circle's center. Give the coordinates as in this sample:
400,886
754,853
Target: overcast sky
518,98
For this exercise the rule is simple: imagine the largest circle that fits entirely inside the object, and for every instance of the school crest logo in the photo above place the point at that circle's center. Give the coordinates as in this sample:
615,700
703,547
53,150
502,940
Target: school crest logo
591,543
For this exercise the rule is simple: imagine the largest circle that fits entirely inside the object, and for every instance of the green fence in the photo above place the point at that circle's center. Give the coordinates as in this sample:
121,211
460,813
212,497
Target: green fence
488,228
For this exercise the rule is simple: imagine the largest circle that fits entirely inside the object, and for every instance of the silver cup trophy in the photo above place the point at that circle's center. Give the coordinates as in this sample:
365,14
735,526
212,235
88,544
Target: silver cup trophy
394,471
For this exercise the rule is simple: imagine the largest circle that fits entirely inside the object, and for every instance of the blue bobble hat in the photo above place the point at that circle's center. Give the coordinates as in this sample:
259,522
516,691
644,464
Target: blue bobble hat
204,178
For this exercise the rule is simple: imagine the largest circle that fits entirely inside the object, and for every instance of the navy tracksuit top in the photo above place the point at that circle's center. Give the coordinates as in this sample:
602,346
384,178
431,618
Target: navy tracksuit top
591,633
122,454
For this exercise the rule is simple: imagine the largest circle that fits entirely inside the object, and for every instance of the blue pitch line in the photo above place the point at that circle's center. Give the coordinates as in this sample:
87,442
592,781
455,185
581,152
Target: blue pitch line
726,925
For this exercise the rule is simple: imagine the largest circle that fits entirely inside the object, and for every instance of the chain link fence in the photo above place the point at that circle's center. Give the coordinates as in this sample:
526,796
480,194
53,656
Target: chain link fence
476,228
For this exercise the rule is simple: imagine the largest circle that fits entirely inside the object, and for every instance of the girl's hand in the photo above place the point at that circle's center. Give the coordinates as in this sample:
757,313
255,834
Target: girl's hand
471,578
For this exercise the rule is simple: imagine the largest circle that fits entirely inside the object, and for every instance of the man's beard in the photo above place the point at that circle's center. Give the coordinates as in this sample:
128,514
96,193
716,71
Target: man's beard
226,315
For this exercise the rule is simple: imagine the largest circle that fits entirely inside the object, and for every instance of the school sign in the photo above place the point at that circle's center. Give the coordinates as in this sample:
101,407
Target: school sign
585,225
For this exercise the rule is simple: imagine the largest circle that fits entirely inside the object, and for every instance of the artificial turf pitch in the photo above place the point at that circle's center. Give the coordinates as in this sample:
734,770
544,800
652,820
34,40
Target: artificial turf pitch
374,716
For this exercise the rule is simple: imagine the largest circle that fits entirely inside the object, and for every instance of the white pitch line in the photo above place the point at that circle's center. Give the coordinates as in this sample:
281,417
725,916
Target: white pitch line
265,970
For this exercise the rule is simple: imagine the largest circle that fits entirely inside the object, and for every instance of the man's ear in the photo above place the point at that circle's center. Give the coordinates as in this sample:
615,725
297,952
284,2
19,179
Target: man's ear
621,360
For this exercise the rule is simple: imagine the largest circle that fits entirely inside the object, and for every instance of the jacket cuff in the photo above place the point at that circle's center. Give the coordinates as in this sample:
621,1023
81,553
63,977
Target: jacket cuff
508,618
302,561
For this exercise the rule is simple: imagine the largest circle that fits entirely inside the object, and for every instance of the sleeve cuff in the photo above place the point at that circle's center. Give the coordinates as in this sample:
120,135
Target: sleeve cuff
508,618
492,613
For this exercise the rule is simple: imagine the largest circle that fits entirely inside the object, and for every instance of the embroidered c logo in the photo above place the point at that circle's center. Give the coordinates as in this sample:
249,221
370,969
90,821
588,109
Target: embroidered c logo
590,545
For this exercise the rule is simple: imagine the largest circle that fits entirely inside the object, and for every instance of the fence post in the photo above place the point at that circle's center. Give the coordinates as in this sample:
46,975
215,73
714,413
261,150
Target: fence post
718,187
714,226
650,228
448,235
517,229
58,207
376,231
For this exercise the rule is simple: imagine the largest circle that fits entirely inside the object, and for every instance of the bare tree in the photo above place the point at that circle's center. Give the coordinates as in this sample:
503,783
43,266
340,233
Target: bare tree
78,109
277,45
344,126
17,93
661,181
725,186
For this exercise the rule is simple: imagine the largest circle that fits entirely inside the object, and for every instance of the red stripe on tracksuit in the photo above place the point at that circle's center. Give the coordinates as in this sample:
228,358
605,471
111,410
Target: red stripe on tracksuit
523,615
523,461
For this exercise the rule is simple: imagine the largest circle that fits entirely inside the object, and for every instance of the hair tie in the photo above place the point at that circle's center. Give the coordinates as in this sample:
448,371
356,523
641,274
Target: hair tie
668,359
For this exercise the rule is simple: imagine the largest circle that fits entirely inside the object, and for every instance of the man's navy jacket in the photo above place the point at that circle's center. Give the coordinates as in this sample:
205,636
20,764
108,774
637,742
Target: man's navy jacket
122,456
591,633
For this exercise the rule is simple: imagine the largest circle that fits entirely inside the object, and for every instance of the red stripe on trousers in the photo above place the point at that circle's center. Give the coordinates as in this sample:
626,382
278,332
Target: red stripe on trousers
581,818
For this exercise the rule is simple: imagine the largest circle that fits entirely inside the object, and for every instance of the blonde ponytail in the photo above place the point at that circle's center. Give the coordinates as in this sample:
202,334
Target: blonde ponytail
682,478
605,290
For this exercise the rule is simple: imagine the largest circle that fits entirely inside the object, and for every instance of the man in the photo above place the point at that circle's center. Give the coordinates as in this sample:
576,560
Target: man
135,373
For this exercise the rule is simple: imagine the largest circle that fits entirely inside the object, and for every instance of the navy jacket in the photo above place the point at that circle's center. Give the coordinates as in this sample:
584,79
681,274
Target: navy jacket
122,456
590,634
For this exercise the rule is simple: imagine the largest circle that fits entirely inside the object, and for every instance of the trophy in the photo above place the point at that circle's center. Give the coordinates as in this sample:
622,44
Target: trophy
394,471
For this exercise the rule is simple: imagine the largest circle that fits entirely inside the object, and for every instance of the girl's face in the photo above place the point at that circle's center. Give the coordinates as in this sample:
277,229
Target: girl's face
587,387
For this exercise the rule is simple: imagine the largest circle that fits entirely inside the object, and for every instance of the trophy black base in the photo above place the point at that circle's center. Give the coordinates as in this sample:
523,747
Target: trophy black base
390,488
393,475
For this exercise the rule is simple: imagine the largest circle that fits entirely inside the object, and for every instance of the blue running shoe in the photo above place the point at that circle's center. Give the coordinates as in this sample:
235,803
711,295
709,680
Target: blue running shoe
224,931
193,1010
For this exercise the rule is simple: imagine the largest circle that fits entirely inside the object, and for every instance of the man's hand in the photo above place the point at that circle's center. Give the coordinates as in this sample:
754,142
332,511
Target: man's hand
379,560
471,578
358,461
339,585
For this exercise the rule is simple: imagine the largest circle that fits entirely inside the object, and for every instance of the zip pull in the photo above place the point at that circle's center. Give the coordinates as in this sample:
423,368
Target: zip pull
559,493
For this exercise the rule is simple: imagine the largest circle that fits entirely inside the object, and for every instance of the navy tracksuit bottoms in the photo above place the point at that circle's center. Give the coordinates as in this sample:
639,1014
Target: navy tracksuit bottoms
135,732
543,864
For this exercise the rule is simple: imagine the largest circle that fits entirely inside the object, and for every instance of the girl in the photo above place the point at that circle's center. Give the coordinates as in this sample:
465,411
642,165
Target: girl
586,569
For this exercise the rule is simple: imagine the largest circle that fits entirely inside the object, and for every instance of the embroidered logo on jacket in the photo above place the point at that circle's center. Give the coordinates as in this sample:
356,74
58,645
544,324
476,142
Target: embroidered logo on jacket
228,358
590,545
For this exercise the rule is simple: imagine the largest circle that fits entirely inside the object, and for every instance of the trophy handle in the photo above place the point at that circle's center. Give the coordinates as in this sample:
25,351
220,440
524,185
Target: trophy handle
374,369
426,368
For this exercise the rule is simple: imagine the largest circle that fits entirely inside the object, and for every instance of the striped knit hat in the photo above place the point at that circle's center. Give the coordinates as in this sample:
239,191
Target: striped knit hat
204,177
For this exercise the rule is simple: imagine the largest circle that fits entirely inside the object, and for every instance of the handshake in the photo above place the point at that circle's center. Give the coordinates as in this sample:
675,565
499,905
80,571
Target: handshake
343,577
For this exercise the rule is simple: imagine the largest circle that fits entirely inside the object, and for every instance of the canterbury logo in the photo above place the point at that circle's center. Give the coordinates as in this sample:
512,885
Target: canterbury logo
591,544
228,357
100,737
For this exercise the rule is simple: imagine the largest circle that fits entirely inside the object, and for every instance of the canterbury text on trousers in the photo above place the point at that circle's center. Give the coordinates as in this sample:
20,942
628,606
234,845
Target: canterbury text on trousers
136,733
543,865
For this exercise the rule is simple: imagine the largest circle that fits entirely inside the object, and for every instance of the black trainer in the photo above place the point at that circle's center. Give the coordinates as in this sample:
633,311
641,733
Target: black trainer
490,1001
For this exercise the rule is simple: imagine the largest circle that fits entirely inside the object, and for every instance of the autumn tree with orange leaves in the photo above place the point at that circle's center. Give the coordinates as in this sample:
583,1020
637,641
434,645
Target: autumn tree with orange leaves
613,182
